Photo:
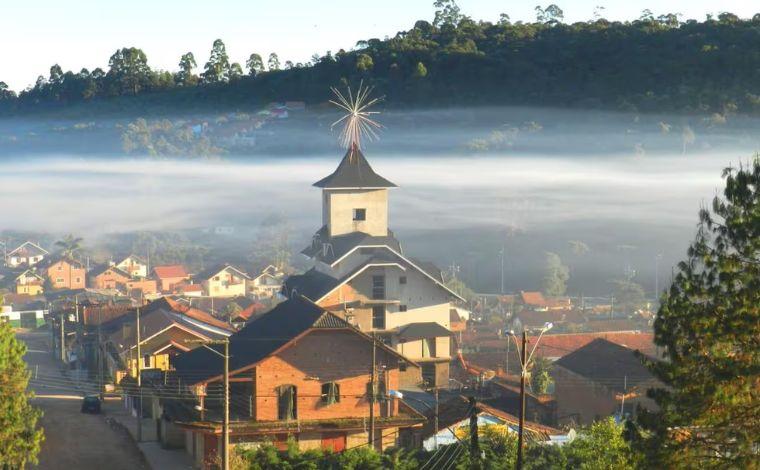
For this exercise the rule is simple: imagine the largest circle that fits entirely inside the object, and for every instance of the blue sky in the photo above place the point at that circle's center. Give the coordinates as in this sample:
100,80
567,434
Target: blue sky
84,33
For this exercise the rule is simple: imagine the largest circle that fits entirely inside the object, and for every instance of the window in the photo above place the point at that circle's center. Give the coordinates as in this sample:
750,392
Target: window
360,214
59,280
378,287
402,280
378,317
402,366
286,402
330,393
79,279
146,361
402,308
60,268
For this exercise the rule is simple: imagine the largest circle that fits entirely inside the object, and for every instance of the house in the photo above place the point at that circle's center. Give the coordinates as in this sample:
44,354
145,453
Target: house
29,282
27,254
535,300
267,284
454,423
186,289
223,281
22,318
163,333
108,277
66,273
141,288
134,266
361,273
297,372
169,276
600,379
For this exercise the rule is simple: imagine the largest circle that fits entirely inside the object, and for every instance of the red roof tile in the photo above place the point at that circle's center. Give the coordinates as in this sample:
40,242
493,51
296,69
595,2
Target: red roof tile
175,270
533,298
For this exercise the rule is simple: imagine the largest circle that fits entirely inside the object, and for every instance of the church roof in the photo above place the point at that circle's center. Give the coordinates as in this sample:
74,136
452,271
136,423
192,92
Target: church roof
339,245
354,171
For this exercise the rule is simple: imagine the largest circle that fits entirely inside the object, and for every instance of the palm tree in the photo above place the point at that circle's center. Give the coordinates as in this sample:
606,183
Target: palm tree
69,245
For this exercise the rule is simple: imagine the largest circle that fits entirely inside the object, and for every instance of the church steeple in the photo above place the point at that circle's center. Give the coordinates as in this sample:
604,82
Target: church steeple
354,172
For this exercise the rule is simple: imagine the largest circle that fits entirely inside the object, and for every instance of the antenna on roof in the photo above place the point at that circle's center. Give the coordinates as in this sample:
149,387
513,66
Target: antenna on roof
357,123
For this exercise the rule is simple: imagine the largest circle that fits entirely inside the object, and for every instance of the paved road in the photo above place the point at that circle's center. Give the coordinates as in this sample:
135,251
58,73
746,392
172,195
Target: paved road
72,440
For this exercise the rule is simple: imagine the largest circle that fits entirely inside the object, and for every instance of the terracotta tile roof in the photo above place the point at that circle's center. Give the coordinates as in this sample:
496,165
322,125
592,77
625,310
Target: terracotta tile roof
175,270
191,312
533,299
189,288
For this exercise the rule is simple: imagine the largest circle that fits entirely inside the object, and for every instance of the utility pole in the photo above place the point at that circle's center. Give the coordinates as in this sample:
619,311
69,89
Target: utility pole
371,437
100,358
435,419
657,259
226,420
139,379
226,416
522,401
474,444
622,402
502,269
507,371
63,337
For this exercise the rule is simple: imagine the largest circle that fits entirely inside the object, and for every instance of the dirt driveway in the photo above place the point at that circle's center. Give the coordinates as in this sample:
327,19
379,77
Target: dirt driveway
73,440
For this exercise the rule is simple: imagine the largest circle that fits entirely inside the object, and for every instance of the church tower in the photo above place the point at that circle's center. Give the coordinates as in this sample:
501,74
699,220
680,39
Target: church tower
355,198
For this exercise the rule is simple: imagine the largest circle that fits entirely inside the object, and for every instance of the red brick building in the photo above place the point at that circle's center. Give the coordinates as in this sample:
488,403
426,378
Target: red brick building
66,273
297,372
108,277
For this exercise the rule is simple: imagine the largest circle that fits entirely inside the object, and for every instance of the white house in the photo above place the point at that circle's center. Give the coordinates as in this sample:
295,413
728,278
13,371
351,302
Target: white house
27,254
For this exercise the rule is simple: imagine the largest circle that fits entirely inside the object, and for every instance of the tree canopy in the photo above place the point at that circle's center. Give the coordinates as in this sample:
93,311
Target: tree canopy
709,326
654,63
20,437
556,275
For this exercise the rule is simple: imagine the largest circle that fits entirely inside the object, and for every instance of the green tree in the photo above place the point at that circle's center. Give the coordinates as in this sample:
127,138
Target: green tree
549,15
254,64
420,71
69,245
185,76
20,436
447,13
364,63
273,62
217,69
540,375
128,71
236,71
6,93
556,275
601,446
709,326
629,296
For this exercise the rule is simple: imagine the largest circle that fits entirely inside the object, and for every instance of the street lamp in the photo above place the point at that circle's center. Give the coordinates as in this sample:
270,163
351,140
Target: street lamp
524,363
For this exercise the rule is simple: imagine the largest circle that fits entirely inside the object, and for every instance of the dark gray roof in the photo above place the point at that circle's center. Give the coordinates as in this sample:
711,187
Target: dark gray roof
607,363
431,269
208,272
311,284
260,338
354,171
414,331
342,244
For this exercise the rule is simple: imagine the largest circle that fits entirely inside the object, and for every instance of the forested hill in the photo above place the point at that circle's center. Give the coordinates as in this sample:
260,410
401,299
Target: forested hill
651,64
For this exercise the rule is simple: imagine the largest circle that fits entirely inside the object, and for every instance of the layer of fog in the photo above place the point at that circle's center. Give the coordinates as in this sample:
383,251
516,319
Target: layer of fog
456,211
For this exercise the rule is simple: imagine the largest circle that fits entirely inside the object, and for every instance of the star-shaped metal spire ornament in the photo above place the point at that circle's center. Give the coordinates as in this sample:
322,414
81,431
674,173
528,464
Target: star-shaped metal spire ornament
357,122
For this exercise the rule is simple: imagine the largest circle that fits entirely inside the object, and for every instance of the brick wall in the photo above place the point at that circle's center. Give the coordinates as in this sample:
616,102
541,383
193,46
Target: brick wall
320,357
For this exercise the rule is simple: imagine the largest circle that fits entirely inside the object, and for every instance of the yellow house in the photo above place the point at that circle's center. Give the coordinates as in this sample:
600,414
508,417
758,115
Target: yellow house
163,333
29,283
223,281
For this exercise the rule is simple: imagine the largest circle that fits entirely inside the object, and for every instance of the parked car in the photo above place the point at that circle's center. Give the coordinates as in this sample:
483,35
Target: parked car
91,404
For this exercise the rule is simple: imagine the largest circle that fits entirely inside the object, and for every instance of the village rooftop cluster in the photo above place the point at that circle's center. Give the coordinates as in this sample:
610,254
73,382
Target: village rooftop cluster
369,345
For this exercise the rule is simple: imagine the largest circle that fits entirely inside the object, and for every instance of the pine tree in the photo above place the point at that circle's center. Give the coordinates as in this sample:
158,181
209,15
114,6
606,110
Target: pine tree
709,326
20,437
